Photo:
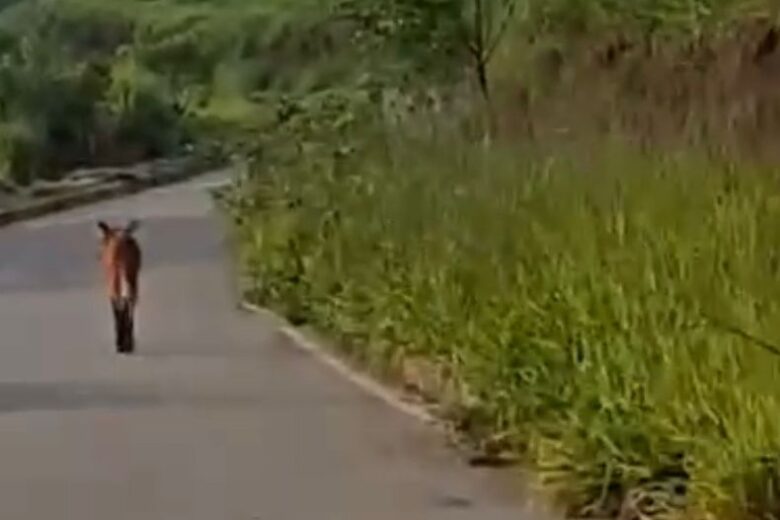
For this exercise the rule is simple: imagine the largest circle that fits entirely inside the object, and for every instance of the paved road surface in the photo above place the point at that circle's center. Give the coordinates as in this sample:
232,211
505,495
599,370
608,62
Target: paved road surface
217,418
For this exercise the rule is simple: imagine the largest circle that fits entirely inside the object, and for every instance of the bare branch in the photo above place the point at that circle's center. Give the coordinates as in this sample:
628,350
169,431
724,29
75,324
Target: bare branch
499,35
479,35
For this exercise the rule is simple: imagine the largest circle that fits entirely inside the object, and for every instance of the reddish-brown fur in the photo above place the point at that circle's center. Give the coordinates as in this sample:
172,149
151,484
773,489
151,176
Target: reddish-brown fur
120,257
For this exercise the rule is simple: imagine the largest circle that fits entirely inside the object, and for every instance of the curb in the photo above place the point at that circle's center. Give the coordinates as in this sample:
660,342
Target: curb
393,398
99,193
409,404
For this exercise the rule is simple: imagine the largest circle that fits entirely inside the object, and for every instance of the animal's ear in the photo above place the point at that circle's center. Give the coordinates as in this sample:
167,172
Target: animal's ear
132,226
105,230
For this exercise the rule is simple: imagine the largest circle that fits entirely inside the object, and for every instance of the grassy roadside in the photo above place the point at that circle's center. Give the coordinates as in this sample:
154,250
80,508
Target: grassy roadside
601,302
591,315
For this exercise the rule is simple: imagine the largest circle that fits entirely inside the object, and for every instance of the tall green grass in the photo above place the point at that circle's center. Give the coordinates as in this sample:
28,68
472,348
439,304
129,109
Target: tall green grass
592,308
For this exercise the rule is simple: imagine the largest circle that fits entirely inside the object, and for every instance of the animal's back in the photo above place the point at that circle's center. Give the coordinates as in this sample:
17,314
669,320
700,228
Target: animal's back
123,264
131,266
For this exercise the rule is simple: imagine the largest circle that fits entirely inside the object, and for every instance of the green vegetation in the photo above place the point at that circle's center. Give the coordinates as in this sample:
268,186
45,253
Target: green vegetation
93,81
594,299
583,312
547,201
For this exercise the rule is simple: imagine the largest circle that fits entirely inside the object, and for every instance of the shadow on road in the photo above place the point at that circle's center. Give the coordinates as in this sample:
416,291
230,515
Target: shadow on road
65,396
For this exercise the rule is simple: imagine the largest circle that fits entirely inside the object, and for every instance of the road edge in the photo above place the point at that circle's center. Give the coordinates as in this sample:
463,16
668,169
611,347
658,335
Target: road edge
403,394
409,404
103,192
394,398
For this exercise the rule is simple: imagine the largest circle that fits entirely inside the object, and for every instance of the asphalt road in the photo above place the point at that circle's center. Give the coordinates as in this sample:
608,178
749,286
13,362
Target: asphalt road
216,418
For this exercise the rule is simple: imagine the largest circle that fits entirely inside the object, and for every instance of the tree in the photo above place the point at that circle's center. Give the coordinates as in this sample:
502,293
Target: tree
436,35
418,35
485,23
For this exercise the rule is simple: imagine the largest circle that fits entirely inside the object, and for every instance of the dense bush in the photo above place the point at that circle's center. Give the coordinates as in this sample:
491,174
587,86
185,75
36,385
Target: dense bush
90,82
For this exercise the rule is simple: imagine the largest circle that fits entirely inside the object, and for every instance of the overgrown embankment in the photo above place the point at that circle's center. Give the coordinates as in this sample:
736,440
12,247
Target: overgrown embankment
594,287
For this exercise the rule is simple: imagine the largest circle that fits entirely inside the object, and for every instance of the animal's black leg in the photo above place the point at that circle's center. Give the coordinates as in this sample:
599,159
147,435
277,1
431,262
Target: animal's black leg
129,335
124,327
119,325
